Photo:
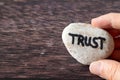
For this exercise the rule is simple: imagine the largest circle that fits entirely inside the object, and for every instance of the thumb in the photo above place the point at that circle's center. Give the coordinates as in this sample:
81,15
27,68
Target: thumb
107,69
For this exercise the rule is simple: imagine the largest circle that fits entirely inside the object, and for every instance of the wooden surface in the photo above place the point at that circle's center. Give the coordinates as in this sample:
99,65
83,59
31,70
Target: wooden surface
30,37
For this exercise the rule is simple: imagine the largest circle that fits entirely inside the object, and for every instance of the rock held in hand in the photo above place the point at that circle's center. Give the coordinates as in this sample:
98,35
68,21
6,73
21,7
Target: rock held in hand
86,43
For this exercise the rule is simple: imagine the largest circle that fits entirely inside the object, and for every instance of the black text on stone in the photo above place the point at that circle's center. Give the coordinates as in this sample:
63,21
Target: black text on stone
88,41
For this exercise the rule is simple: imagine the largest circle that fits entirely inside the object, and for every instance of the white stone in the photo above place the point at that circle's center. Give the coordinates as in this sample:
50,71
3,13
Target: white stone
101,43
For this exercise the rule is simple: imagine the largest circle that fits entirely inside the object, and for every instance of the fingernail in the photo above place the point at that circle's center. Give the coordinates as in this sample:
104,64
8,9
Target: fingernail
95,67
93,19
97,19
96,22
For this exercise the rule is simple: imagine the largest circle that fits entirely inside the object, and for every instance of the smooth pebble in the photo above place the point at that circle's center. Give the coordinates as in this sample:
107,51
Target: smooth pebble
86,43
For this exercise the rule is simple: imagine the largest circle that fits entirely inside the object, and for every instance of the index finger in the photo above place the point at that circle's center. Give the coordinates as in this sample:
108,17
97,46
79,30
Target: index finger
110,20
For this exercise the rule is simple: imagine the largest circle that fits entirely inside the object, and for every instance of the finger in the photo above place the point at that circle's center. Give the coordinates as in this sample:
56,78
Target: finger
107,69
110,20
115,55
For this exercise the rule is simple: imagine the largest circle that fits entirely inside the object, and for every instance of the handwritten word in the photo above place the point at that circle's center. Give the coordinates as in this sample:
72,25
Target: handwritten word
88,41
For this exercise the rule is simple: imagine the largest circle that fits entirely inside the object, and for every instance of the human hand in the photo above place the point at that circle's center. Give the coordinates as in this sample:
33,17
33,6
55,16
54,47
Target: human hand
108,69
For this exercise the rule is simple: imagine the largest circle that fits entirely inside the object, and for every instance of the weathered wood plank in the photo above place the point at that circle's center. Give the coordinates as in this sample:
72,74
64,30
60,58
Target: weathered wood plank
30,37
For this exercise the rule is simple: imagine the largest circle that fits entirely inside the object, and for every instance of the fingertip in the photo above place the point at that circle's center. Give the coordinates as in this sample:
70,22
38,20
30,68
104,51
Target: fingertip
95,67
98,22
94,22
101,21
107,69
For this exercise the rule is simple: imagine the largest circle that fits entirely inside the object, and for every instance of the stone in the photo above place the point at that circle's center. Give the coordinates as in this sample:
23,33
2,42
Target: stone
87,43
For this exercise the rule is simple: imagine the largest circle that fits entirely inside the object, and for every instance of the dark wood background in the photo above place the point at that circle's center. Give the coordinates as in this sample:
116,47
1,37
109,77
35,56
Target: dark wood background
30,37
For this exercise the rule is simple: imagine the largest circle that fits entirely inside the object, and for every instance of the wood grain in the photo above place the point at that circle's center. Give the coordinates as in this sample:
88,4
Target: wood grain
30,37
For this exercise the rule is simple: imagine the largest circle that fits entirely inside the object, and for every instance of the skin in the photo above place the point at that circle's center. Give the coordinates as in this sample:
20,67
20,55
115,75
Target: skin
108,68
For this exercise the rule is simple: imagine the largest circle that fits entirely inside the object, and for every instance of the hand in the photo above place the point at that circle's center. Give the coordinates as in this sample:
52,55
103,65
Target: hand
108,69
